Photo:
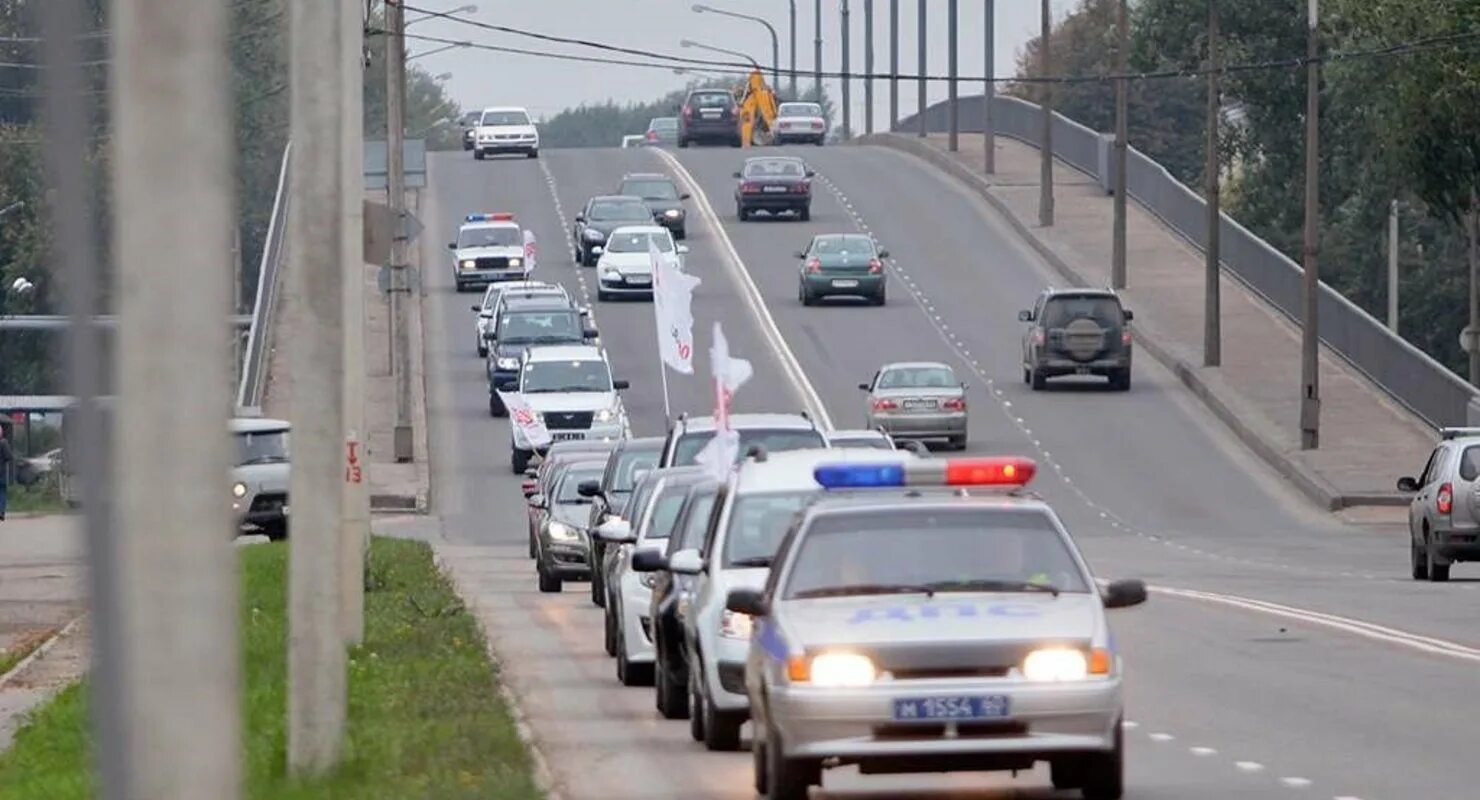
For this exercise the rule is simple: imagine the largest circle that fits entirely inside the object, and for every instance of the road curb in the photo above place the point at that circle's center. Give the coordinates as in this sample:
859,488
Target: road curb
40,651
1311,484
544,776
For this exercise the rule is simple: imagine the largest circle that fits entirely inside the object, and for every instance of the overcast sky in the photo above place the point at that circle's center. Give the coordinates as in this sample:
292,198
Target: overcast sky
545,86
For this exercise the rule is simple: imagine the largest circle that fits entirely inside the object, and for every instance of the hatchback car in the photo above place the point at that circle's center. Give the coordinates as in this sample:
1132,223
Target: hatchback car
841,265
599,218
662,197
1077,332
561,543
920,400
709,115
1444,515
776,185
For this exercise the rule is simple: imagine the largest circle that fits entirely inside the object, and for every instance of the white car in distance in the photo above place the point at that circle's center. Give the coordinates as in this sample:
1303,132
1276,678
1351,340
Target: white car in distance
505,130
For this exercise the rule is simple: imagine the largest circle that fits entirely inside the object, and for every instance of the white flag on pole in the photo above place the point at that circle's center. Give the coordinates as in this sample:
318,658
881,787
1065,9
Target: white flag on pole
673,295
531,250
526,419
730,373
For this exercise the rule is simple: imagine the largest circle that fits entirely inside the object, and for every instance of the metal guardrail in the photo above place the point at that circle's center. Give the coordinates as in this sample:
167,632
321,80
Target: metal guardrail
1409,375
254,364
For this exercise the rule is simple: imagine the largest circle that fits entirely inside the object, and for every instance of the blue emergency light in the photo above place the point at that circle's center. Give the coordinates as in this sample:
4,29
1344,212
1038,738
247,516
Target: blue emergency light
501,216
1007,471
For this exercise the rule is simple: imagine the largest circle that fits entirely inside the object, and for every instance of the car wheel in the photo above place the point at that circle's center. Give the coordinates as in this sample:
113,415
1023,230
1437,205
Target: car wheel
534,550
611,638
881,298
805,213
1120,380
682,142
631,674
275,531
519,460
602,295
681,233
1038,381
477,155
598,591
1066,773
1103,774
1027,376
958,442
786,778
496,405
737,142
741,213
721,728
549,583
696,714
482,351
534,154
808,298
673,698
1419,561
1438,573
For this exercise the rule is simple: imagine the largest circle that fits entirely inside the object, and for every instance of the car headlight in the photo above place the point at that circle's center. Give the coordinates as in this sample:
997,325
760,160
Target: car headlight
1056,664
841,669
673,213
561,532
516,262
606,415
468,263
239,490
733,625
506,362
594,235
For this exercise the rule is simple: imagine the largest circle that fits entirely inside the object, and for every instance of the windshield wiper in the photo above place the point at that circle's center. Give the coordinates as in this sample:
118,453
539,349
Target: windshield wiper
263,460
867,588
994,586
753,561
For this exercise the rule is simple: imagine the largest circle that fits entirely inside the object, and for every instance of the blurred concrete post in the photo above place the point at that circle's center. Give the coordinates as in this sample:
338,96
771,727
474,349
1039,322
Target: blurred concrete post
1212,305
1045,145
868,66
989,93
176,579
1122,61
952,109
1392,298
817,49
793,68
75,257
400,288
922,25
316,245
893,63
1310,372
847,78
355,530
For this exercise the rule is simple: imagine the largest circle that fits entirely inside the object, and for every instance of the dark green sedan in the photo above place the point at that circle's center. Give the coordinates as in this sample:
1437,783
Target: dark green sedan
841,265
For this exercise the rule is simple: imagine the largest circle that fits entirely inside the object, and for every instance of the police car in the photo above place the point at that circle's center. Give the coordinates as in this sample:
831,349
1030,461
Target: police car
903,630
489,248
752,511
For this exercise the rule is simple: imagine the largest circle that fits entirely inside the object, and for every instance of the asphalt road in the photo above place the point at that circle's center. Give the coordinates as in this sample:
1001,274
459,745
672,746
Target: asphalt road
1227,701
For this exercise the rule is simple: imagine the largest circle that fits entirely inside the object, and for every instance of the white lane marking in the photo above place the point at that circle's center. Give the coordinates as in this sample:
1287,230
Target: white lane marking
1249,766
1296,783
1346,797
1162,737
752,293
1367,630
1129,725
1202,752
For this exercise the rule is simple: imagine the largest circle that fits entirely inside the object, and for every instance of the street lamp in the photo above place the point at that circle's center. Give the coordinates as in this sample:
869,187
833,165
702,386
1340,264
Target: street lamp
434,51
712,48
468,9
700,8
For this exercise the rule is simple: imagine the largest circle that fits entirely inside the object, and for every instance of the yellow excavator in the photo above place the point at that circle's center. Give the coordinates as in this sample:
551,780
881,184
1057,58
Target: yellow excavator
757,111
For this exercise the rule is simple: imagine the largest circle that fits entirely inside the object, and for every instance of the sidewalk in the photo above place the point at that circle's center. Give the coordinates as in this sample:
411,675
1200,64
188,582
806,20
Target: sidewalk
393,487
1367,440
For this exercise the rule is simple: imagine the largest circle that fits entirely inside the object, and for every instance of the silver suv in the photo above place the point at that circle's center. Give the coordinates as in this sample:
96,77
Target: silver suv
1444,516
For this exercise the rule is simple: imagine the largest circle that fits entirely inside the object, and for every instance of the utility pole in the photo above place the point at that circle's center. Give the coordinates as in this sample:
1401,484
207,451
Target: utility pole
1310,371
75,255
355,530
817,45
893,63
174,587
989,93
847,78
1045,166
1212,307
923,24
868,66
1392,298
1122,113
793,70
1474,327
952,67
316,245
400,285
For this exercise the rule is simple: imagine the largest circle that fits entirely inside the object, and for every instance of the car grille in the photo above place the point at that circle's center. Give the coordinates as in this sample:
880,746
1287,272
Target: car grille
934,730
269,503
941,660
568,420
493,262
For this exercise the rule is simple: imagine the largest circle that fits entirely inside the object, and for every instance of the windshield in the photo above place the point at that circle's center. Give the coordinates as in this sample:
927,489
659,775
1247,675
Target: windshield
1060,311
640,496
773,440
695,524
917,378
774,168
711,99
570,484
638,243
620,209
519,327
502,236
757,524
505,118
629,463
651,189
833,245
471,118
590,375
799,110
261,447
961,550
869,442
664,512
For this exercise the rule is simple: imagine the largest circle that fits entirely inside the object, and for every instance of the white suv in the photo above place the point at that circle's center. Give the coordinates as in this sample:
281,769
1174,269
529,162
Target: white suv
505,130
571,388
752,513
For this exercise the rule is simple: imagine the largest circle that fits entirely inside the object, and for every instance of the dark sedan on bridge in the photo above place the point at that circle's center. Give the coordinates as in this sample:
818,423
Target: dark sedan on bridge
776,185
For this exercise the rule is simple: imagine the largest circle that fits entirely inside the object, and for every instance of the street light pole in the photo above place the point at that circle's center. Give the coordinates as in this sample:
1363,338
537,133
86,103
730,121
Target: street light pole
817,51
400,284
700,8
893,63
1122,60
1045,146
954,140
1310,373
793,4
1212,319
923,23
847,80
355,532
989,94
868,66
1392,276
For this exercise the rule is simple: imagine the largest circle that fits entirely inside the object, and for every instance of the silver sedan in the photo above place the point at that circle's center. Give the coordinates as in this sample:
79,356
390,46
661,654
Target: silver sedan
919,400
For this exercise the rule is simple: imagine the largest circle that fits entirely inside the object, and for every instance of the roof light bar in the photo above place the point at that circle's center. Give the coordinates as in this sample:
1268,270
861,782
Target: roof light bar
497,216
1006,471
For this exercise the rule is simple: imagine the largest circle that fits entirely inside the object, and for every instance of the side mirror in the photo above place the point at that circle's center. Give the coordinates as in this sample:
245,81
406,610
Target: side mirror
620,385
799,254
589,489
616,531
683,248
1025,316
751,602
597,250
684,196
863,386
477,307
589,333
1129,315
737,176
686,562
452,245
580,218
1123,594
1408,485
647,560
811,173
883,254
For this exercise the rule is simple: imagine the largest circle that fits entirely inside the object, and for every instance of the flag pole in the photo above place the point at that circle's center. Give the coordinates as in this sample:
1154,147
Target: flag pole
663,371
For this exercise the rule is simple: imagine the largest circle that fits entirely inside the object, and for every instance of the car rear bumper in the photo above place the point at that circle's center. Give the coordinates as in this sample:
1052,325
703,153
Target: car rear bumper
699,129
799,135
856,724
774,202
1457,545
824,284
921,426
1051,367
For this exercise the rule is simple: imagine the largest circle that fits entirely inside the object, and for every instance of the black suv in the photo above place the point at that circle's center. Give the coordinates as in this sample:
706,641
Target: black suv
709,115
1077,332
